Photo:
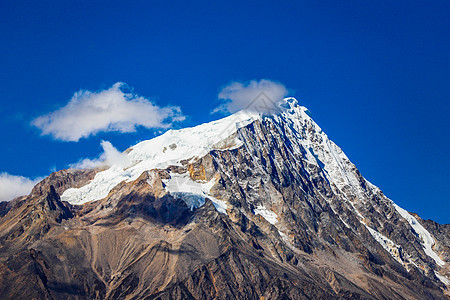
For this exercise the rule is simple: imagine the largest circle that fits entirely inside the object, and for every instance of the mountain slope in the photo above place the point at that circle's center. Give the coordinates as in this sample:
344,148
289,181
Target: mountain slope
250,206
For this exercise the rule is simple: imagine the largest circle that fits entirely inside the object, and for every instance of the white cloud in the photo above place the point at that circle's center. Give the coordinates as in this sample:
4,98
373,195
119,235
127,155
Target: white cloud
258,96
14,186
88,113
110,156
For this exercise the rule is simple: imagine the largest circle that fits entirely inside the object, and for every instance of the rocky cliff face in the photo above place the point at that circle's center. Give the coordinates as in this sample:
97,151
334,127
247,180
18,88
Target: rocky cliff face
248,207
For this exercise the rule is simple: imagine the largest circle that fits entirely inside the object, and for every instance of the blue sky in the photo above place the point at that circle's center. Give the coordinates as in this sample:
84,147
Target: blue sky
374,74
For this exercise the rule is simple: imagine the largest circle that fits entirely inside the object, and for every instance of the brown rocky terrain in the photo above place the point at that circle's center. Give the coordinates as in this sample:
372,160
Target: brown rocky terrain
149,245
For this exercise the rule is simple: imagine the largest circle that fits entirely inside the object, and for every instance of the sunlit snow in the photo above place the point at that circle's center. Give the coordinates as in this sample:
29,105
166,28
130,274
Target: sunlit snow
168,149
269,215
425,236
442,278
388,245
192,192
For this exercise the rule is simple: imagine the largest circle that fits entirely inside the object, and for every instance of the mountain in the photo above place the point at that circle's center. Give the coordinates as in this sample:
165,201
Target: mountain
252,206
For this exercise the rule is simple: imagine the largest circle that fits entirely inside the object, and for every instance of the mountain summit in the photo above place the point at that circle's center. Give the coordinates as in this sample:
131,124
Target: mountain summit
252,206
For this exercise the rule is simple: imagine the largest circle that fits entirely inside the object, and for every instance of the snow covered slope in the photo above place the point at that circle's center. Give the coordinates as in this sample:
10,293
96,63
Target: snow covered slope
174,146
168,149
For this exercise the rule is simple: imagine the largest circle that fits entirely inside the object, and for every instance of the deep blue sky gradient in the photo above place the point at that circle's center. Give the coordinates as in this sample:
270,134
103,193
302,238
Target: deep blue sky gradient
374,74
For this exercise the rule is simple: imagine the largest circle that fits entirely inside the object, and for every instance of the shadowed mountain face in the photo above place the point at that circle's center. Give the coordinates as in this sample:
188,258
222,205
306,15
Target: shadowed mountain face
273,210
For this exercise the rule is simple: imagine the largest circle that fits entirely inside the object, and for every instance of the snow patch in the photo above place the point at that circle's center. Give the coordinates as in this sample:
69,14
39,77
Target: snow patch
442,278
269,215
193,193
387,244
425,236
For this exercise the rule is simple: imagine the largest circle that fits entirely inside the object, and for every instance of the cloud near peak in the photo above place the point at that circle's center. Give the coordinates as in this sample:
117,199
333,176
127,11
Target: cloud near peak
113,109
257,96
110,156
12,186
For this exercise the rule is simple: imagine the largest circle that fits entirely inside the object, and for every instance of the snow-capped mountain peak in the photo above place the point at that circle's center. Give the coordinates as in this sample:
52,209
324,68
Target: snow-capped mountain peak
266,189
308,144
175,146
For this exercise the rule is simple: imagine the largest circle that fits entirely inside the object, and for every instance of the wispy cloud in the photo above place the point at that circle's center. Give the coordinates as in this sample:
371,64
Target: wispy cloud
89,113
252,96
110,156
14,186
